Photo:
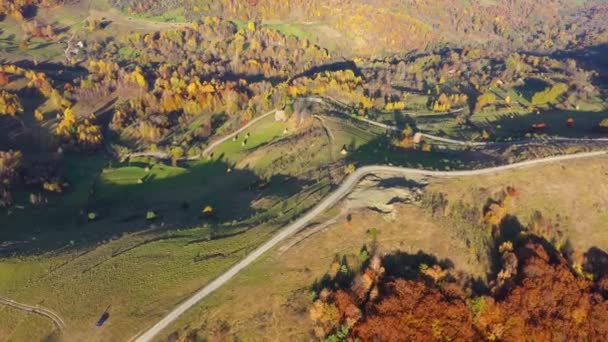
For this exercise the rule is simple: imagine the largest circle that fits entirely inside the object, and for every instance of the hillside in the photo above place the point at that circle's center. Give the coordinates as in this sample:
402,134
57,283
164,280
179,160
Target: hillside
529,25
405,234
155,152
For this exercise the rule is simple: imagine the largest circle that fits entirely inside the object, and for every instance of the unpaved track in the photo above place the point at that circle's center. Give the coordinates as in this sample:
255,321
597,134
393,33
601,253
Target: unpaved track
345,188
218,142
206,151
461,142
34,309
213,145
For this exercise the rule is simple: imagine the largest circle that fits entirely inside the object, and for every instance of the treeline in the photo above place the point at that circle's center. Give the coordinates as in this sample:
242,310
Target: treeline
10,165
456,78
24,9
226,74
210,72
530,25
539,294
40,175
39,172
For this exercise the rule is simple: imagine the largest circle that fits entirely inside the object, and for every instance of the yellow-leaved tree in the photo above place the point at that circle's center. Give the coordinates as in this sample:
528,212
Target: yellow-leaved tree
9,104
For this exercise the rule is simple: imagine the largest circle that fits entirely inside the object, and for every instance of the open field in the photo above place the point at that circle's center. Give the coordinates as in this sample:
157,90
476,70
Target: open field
125,188
21,326
572,195
79,266
121,259
250,306
254,309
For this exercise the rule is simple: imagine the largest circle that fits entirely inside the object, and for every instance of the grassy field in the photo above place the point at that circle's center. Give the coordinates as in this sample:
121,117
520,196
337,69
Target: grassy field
13,322
93,246
263,132
270,299
572,195
284,278
139,267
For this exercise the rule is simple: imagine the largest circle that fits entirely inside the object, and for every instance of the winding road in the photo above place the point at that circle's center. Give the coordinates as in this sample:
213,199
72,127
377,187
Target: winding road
216,143
344,189
208,149
454,141
34,309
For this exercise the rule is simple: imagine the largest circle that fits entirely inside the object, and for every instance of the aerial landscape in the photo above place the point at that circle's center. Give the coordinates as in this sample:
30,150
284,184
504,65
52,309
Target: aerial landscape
303,170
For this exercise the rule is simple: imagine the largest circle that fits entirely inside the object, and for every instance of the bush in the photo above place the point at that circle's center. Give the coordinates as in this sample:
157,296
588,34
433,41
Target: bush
485,100
550,94
150,215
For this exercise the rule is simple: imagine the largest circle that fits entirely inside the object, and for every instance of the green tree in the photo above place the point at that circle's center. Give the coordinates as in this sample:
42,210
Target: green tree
550,94
176,153
485,100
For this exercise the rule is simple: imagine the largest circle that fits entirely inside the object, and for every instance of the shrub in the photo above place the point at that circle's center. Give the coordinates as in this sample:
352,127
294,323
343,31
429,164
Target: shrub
150,215
550,94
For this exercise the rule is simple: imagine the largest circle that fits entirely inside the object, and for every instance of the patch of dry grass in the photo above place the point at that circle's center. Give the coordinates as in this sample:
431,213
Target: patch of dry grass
574,195
270,299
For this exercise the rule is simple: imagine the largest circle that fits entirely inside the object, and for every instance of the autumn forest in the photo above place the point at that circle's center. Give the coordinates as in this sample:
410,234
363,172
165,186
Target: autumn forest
156,151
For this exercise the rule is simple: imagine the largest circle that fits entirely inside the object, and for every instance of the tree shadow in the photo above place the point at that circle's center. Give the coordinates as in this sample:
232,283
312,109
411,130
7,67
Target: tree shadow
175,195
29,11
593,58
55,70
336,66
518,125
381,150
407,266
531,86
342,279
596,262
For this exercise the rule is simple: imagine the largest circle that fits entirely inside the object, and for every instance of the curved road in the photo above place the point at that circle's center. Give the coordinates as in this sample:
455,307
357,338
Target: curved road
35,309
218,142
208,149
454,141
215,144
345,188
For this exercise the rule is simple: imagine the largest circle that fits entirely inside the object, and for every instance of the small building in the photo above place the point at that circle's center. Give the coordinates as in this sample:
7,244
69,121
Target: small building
418,137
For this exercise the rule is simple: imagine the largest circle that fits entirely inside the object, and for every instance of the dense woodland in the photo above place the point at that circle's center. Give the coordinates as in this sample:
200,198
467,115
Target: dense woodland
531,25
539,294
172,90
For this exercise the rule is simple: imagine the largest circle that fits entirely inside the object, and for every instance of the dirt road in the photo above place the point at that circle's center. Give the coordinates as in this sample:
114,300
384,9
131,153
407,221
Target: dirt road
345,188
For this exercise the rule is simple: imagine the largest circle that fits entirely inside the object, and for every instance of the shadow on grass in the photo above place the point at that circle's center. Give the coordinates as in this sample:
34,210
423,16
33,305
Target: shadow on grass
593,57
531,86
407,266
176,196
382,151
586,124
596,262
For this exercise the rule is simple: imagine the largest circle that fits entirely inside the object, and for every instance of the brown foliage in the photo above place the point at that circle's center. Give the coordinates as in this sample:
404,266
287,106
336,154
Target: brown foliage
537,297
548,303
414,311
